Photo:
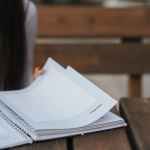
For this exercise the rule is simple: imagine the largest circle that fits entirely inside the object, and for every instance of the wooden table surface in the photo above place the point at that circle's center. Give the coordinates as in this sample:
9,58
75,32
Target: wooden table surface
115,139
136,112
135,136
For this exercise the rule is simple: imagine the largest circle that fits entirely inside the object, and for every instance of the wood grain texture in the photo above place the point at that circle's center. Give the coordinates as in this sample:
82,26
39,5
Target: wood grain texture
93,21
46,145
99,58
135,85
137,114
108,140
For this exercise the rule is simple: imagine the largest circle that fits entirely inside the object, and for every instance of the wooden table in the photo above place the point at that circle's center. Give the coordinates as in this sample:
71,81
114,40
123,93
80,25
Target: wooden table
135,137
107,140
115,139
136,111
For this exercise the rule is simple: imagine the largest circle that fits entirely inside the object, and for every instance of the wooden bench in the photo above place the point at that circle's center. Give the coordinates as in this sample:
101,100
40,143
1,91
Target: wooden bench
131,25
131,57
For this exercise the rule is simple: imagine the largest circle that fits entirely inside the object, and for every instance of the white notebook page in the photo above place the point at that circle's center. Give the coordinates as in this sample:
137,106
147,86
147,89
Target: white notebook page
56,101
11,136
3,132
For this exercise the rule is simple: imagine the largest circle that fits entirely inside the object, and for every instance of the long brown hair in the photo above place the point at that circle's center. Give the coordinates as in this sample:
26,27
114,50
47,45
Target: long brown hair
12,43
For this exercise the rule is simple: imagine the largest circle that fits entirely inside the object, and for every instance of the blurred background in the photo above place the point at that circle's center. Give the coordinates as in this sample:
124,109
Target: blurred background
100,2
106,40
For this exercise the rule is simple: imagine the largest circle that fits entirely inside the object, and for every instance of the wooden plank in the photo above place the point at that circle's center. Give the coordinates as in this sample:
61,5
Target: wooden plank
100,58
135,80
46,145
135,86
137,114
93,21
108,140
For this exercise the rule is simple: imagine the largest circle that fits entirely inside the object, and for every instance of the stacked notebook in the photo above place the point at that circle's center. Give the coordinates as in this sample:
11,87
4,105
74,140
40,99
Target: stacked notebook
58,104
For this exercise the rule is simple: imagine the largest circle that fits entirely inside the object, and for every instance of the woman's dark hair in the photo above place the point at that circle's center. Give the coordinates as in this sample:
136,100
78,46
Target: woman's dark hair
12,43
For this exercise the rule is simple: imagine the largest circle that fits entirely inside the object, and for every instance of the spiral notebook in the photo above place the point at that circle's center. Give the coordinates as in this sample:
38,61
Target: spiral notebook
58,104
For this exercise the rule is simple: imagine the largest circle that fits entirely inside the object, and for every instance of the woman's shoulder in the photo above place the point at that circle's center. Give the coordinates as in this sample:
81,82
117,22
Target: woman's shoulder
30,10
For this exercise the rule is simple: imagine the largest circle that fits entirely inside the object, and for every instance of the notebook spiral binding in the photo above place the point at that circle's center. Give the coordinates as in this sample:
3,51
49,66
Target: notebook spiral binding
25,127
20,131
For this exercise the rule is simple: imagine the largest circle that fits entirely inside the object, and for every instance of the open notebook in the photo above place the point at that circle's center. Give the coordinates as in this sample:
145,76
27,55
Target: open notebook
57,104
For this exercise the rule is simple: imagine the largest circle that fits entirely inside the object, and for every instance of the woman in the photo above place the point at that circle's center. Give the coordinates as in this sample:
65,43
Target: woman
18,24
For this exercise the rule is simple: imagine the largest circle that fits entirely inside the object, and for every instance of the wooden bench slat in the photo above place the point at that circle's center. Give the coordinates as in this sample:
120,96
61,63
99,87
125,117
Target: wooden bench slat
137,113
102,58
46,145
64,21
107,140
